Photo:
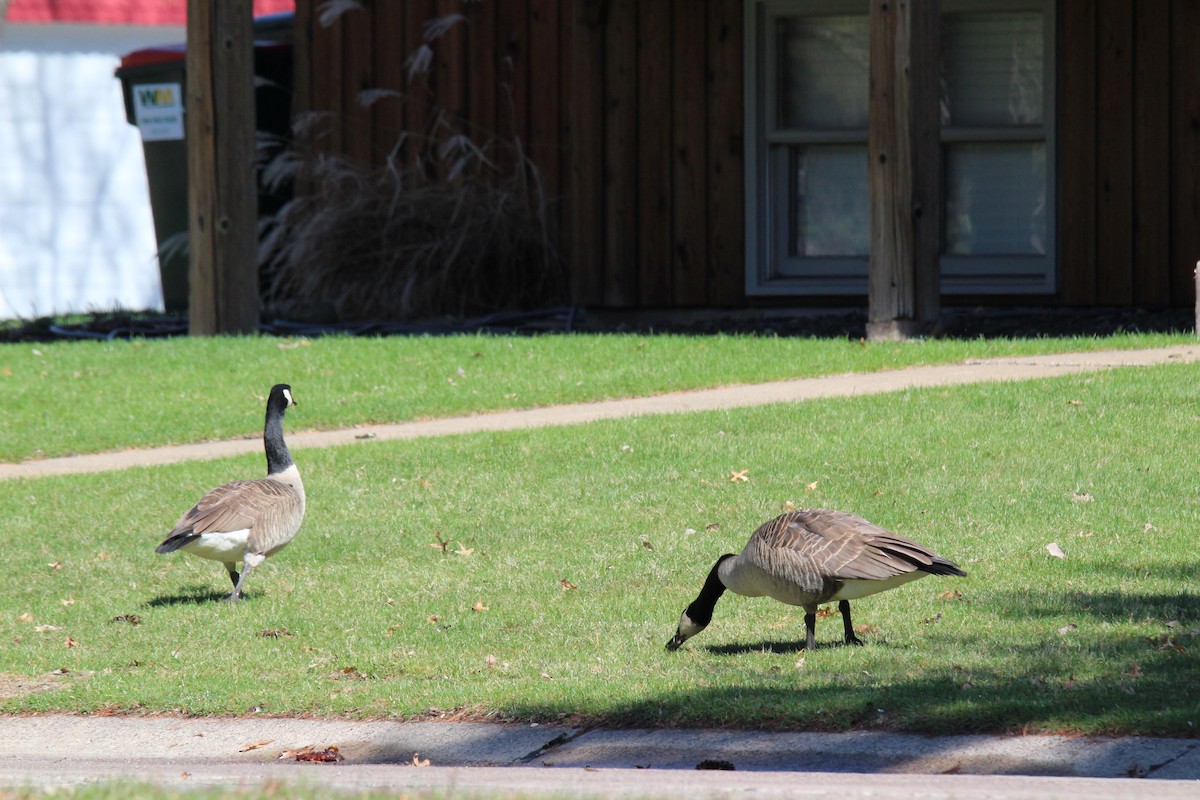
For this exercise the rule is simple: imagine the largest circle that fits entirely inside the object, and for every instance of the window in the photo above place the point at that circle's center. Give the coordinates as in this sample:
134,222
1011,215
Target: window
807,81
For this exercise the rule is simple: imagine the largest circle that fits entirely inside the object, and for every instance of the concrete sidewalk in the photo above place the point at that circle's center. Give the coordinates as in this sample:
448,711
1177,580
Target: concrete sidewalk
62,750
981,371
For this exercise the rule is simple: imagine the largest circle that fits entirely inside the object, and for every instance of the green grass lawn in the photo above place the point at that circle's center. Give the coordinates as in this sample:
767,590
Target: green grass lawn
571,551
81,397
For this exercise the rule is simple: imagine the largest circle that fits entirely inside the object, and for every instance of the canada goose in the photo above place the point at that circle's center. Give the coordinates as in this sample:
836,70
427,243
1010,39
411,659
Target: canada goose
808,557
247,520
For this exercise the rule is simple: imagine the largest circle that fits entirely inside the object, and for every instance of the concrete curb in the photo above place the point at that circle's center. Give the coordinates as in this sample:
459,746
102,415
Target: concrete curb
58,750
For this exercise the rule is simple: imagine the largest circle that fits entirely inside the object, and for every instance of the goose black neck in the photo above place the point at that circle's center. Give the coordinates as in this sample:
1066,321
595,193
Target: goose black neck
701,610
278,457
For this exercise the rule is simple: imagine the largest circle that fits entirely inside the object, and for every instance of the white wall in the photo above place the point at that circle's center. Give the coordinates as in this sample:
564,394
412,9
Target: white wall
76,231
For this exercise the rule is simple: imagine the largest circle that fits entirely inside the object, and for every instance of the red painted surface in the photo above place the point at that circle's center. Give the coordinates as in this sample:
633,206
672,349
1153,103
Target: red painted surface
119,12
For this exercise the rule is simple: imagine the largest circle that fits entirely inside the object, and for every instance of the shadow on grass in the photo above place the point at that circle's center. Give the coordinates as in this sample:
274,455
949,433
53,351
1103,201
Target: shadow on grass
1087,682
772,646
1109,605
192,595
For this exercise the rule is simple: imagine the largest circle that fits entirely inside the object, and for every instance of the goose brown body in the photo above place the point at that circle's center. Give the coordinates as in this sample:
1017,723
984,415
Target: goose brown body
247,520
812,556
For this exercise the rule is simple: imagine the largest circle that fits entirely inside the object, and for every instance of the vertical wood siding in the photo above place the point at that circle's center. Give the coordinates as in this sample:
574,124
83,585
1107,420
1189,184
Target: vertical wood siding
632,111
1129,151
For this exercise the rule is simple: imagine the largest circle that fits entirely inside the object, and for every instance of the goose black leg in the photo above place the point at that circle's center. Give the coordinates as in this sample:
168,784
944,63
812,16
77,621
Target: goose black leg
810,631
233,574
844,607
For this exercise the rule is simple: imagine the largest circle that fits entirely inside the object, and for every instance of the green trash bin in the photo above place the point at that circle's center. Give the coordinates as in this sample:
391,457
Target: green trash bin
153,82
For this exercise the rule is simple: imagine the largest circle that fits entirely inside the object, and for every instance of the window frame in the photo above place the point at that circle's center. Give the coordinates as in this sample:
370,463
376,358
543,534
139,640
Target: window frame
770,271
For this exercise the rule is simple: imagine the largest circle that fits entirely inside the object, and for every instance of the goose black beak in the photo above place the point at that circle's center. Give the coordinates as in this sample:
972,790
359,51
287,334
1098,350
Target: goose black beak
679,639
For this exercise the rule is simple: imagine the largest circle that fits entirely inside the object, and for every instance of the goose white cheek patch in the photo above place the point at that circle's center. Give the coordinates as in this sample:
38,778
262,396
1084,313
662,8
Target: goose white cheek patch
688,628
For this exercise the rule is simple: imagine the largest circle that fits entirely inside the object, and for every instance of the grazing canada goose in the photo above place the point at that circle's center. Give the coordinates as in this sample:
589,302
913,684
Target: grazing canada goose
251,519
808,557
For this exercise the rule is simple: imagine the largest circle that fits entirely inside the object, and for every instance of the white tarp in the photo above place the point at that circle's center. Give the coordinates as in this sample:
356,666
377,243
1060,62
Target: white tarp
76,231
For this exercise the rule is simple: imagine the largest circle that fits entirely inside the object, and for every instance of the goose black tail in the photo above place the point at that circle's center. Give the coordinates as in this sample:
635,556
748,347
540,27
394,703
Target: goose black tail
175,542
941,566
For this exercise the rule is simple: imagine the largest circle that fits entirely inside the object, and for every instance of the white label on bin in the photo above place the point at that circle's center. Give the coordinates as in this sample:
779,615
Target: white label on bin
158,109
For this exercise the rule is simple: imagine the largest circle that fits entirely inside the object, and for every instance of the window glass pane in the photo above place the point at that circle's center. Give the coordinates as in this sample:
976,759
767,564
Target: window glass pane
829,201
992,69
823,72
996,199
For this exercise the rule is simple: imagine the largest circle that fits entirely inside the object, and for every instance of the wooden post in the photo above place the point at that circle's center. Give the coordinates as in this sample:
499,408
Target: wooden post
904,173
222,193
1196,324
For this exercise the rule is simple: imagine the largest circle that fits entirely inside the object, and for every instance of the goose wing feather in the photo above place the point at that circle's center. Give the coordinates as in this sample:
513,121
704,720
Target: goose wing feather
270,509
843,546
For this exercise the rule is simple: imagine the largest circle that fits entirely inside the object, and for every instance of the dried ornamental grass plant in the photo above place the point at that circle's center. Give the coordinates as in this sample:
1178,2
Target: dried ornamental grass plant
449,232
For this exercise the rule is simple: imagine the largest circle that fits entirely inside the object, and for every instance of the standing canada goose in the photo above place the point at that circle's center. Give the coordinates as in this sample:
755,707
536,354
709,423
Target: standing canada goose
808,557
251,519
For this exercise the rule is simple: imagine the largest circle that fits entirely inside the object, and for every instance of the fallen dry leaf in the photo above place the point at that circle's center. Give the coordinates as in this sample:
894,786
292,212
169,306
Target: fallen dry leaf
433,618
712,526
255,745
1075,402
272,634
132,619
329,755
71,642
490,661
26,617
57,565
739,476
417,761
866,627
950,594
935,618
811,487
788,506
1134,671
440,544
46,628
1076,497
1054,550
825,611
464,551
800,664
1065,629
479,606
567,585
1070,683
547,676
1148,527
68,601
